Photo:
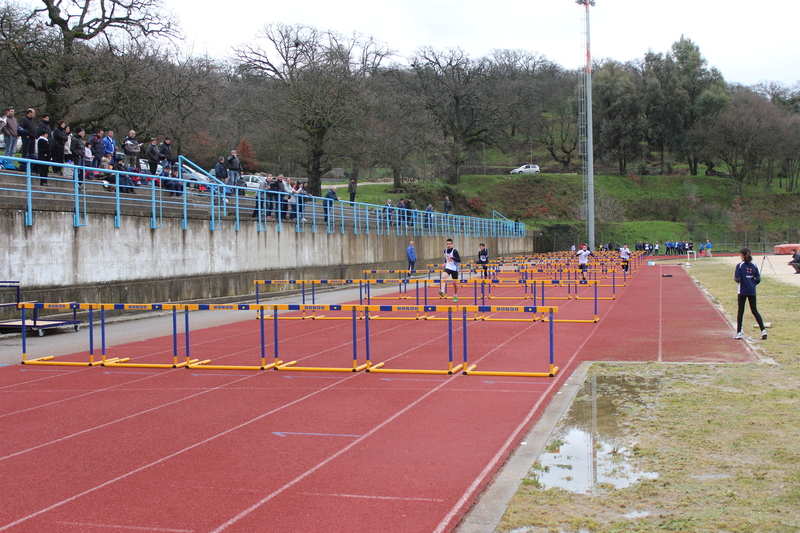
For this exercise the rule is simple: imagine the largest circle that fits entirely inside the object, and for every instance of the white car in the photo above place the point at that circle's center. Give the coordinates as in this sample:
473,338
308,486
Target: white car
526,169
252,181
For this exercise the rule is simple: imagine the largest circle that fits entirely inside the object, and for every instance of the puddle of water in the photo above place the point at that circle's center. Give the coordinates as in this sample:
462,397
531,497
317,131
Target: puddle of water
590,448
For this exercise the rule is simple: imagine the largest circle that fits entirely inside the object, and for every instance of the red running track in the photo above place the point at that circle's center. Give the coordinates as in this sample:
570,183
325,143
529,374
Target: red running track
114,449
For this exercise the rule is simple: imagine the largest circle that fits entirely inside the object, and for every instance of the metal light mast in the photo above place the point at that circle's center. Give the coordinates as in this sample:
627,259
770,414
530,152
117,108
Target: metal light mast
585,130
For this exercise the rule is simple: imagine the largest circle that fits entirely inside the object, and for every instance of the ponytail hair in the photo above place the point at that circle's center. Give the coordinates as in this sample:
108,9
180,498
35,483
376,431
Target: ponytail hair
745,251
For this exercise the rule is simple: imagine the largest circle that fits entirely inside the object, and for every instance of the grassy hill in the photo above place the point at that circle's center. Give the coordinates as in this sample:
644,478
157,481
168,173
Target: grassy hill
627,208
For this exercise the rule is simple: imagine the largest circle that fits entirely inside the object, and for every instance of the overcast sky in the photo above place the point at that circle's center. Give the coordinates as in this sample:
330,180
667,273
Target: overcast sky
747,41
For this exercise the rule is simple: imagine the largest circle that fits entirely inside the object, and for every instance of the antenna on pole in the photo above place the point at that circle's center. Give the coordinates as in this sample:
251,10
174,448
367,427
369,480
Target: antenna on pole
586,142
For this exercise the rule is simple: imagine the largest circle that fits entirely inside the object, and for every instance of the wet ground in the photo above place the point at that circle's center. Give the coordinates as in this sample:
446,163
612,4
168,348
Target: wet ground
589,448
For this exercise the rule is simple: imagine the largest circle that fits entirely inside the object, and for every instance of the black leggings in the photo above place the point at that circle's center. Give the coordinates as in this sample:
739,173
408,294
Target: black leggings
740,315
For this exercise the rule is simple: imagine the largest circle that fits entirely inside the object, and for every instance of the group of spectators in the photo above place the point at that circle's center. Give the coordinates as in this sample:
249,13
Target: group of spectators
405,214
98,150
279,197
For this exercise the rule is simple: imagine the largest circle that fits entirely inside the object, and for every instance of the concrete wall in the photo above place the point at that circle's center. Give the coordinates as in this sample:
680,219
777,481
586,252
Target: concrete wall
56,262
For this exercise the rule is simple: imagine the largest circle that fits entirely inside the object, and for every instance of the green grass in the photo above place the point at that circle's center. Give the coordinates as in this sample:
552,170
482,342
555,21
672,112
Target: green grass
724,439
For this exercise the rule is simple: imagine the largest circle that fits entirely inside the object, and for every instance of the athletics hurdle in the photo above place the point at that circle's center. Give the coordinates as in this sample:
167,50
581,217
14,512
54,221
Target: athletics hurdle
552,372
464,366
50,359
569,284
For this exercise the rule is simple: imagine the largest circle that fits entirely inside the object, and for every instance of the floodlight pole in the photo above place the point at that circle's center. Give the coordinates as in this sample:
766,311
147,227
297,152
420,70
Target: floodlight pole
589,155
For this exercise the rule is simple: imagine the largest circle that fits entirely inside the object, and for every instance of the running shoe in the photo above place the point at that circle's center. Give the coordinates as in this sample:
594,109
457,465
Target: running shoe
455,299
441,293
763,334
738,335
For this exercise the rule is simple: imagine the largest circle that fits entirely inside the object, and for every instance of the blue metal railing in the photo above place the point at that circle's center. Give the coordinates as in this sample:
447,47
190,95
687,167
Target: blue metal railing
197,190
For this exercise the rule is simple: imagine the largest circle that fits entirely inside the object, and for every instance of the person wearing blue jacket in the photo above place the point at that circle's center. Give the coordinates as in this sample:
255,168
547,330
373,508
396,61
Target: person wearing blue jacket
411,255
747,276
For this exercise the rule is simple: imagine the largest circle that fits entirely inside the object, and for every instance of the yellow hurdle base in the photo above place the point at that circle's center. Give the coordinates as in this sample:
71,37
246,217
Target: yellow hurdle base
550,374
291,366
377,369
122,364
204,364
48,361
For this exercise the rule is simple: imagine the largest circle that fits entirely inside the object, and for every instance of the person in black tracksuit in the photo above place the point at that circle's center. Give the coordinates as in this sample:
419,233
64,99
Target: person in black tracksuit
747,276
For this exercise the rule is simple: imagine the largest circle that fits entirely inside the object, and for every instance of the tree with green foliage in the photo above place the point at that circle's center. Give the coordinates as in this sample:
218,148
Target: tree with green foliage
705,94
618,114
665,102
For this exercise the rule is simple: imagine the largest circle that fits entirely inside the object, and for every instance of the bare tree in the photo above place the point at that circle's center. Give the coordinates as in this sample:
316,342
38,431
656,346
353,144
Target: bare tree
52,48
457,91
318,76
743,135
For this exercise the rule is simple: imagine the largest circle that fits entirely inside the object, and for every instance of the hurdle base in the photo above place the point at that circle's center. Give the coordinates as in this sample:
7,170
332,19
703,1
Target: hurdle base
204,364
414,371
550,374
291,366
122,364
48,360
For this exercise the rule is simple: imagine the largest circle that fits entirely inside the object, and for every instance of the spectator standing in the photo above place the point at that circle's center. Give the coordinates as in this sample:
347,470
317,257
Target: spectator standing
10,131
28,134
59,143
328,201
286,198
708,248
447,205
388,210
131,147
43,154
44,126
301,197
234,168
261,197
109,147
96,141
411,255
401,212
165,151
747,277
153,156
220,171
351,188
77,149
428,216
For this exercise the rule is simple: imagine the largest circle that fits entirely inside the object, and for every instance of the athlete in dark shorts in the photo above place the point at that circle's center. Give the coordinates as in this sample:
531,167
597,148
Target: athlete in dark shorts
452,259
483,260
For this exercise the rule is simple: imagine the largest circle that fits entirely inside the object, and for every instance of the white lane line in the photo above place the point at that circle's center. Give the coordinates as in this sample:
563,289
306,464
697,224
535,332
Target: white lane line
166,457
371,497
116,526
96,391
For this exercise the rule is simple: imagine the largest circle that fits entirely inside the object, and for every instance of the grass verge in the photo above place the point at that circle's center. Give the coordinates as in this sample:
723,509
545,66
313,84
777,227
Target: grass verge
724,439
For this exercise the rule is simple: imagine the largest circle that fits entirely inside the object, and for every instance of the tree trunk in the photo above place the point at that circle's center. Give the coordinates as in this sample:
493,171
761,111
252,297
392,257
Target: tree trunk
397,176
